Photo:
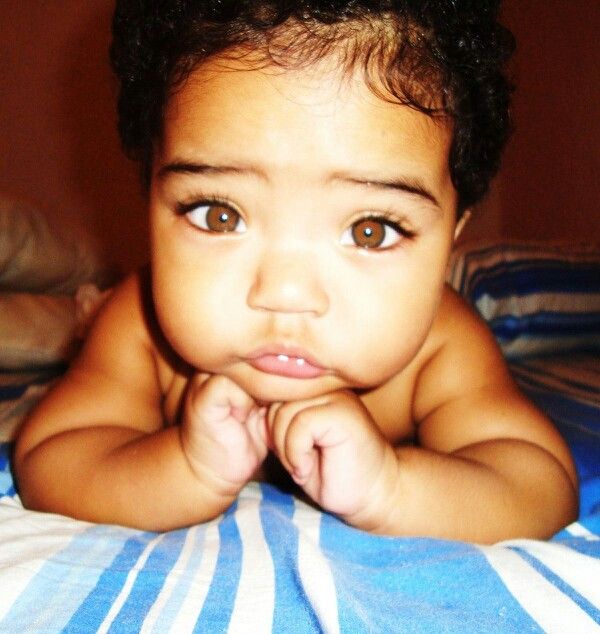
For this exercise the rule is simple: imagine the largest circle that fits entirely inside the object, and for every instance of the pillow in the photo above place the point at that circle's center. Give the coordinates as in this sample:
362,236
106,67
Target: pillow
41,268
40,257
36,331
537,298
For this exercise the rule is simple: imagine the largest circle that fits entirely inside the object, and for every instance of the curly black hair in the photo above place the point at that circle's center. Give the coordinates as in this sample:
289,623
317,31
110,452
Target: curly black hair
442,57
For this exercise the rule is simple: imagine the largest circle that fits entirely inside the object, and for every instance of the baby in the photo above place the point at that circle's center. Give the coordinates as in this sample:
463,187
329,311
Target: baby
308,166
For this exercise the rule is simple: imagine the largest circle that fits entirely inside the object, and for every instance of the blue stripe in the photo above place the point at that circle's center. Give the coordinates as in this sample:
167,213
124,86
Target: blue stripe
477,270
411,584
5,452
293,610
6,479
148,583
523,278
12,392
218,606
560,583
93,610
592,523
546,324
71,574
474,261
184,584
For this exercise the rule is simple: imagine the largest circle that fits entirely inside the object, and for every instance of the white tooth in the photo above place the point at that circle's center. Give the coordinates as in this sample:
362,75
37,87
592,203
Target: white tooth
283,357
300,361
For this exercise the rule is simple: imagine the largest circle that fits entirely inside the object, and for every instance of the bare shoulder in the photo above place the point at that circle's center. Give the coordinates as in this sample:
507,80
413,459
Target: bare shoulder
464,393
114,380
459,355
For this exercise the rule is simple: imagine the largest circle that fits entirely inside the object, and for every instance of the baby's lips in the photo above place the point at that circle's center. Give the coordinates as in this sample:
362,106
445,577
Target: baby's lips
287,362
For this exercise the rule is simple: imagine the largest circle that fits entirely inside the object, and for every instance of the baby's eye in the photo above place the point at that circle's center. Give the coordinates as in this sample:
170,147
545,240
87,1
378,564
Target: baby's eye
373,233
216,217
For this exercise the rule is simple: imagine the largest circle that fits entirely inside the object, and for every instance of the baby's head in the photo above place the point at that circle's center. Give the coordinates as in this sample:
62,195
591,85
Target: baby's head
305,163
442,57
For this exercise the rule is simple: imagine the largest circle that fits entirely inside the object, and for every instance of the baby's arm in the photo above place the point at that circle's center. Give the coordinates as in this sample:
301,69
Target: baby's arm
488,465
97,449
493,465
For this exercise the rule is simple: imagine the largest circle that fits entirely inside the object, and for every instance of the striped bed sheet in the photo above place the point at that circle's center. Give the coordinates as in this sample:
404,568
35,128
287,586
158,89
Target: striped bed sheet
272,563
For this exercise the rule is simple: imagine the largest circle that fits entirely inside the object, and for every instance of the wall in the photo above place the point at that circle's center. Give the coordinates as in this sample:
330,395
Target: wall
58,143
550,185
59,148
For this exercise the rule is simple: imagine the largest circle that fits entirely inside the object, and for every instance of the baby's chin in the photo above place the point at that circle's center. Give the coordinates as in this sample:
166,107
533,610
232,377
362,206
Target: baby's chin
269,389
266,388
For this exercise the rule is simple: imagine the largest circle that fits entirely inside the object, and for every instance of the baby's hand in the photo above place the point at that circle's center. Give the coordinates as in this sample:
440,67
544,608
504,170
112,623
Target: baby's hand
223,433
332,448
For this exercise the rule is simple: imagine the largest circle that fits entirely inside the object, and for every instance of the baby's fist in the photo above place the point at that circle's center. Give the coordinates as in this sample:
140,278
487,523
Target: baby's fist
333,449
223,432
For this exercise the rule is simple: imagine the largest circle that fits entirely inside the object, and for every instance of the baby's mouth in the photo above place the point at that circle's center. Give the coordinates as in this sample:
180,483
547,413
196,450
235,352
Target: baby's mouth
294,365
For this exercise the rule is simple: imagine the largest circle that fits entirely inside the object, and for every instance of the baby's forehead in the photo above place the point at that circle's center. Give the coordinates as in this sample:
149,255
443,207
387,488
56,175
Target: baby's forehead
233,87
317,81
309,126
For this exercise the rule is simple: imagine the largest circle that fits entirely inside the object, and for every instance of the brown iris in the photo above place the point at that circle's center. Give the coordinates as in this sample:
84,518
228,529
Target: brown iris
368,233
222,219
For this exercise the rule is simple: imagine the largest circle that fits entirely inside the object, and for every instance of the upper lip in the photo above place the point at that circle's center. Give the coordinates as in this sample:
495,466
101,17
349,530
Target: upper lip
289,351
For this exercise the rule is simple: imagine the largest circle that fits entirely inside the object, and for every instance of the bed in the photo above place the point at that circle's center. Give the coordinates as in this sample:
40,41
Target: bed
273,564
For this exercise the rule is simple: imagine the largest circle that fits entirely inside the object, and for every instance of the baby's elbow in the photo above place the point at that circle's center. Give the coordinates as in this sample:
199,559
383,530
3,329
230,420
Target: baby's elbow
24,475
558,496
31,481
570,500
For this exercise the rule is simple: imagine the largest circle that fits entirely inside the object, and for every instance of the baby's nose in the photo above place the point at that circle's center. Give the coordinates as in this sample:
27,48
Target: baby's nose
288,282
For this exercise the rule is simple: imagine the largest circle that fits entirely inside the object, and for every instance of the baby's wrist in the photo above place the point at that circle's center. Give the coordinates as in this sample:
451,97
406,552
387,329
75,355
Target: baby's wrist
210,480
378,514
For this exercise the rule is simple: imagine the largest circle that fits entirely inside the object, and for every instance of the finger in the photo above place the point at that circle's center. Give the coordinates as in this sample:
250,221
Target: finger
256,425
279,418
301,443
218,397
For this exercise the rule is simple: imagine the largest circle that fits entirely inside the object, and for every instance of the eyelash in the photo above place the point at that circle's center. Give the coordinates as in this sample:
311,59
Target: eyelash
387,218
183,208
390,219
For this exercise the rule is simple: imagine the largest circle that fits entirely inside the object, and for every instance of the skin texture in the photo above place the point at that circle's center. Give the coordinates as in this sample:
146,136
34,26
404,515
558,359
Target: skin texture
409,423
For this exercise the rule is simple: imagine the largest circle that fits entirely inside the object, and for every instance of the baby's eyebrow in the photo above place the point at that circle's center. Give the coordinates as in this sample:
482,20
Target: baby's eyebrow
193,167
404,184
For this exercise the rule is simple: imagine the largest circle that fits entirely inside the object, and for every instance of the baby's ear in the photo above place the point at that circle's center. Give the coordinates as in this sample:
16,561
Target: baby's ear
460,225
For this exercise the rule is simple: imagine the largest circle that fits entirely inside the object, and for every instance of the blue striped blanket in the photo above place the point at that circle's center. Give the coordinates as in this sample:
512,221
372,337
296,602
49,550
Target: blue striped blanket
274,564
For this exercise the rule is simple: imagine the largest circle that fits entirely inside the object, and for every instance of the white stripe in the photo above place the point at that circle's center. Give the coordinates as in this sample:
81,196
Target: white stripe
255,597
578,530
581,572
131,577
191,607
553,611
572,303
171,581
315,571
27,540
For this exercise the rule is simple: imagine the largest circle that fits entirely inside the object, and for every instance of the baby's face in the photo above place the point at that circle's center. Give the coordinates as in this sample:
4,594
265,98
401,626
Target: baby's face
300,229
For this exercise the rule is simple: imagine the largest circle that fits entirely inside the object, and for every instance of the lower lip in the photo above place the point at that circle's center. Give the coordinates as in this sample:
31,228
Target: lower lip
282,365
